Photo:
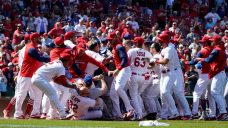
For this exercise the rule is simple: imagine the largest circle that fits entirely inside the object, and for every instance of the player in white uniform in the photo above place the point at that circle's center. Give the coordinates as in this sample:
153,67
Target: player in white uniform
54,70
178,89
93,51
152,92
168,77
139,79
80,104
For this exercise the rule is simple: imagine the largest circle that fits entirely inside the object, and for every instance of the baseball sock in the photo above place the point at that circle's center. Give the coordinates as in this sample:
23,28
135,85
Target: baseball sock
29,107
10,104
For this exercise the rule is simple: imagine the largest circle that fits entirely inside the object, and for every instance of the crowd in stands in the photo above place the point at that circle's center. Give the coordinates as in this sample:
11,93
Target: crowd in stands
188,20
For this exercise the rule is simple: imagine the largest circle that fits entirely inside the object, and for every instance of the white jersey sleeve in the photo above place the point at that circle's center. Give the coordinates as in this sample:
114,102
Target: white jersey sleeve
51,70
91,68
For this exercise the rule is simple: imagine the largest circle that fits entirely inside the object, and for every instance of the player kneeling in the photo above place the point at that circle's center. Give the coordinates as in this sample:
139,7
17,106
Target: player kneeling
55,71
82,107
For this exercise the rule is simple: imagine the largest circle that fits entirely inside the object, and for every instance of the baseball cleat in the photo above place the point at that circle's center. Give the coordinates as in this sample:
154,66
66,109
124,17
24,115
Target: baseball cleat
35,116
188,117
129,115
222,117
20,117
6,114
43,116
27,116
203,116
195,116
174,117
52,118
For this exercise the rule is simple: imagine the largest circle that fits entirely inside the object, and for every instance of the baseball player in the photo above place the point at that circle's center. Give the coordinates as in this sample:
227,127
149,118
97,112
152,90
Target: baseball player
203,81
122,74
178,88
217,60
93,51
168,77
81,104
54,70
81,60
140,77
62,92
152,92
27,69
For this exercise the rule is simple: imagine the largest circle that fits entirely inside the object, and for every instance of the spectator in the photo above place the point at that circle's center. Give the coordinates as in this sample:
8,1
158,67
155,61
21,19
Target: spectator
2,35
210,24
213,16
17,35
56,31
191,35
3,84
80,27
41,24
68,27
191,77
30,22
7,26
92,27
9,74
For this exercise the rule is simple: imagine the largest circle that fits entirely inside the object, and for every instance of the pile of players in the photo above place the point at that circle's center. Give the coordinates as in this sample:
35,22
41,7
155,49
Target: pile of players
147,77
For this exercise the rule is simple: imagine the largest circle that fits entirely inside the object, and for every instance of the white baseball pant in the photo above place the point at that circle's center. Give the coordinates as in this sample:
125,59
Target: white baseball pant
150,98
45,104
22,88
63,95
46,87
178,90
217,90
117,90
199,92
136,88
226,93
166,86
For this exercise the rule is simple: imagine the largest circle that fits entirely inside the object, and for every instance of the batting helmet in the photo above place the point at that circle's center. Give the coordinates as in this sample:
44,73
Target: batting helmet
163,38
138,40
216,39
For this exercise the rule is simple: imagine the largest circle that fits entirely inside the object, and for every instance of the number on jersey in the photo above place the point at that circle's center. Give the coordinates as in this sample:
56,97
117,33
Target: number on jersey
139,62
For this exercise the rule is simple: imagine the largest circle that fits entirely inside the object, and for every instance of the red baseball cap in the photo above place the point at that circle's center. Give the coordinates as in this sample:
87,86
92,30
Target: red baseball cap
26,37
139,40
68,35
205,39
34,35
216,38
163,38
58,41
111,36
66,56
82,46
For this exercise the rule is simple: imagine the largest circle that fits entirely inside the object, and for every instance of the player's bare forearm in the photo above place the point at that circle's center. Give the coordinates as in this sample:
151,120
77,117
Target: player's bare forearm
104,86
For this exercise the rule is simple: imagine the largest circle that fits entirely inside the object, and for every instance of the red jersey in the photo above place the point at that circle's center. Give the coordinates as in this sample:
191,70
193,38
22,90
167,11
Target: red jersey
117,59
29,64
205,52
219,63
55,53
82,61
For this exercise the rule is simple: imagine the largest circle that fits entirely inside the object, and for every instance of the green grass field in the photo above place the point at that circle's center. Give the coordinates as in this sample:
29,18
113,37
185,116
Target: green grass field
104,124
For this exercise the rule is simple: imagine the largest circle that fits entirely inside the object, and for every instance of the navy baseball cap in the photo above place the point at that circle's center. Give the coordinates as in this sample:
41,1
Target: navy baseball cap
127,36
49,44
88,80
